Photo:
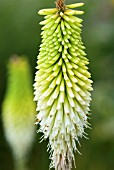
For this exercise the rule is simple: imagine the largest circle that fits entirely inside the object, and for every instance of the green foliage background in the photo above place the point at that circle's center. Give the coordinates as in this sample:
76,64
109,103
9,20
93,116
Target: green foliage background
20,34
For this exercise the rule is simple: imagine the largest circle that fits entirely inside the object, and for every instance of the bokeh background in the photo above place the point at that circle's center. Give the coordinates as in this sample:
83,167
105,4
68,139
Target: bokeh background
20,34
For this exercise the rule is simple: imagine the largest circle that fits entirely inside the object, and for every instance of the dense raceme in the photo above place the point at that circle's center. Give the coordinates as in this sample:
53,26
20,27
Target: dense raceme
62,84
18,110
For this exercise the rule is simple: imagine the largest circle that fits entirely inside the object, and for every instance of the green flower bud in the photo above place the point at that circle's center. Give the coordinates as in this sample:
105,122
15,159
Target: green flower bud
18,110
62,84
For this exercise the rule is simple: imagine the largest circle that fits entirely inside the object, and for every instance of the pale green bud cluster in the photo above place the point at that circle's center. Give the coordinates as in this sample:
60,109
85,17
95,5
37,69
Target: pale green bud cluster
18,110
62,84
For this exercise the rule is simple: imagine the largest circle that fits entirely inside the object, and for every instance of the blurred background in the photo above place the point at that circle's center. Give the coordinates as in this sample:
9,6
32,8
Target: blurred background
20,34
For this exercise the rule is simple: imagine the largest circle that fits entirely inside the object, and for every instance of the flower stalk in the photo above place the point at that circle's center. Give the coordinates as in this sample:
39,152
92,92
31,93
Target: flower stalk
60,5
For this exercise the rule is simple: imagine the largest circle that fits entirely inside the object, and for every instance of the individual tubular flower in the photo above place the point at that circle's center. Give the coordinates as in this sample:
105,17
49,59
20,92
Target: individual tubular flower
19,110
62,83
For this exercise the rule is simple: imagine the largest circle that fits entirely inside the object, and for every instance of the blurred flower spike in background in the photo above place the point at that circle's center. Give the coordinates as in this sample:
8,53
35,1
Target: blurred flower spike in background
18,111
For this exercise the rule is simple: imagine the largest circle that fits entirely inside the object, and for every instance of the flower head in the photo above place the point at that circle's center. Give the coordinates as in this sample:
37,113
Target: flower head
18,110
62,84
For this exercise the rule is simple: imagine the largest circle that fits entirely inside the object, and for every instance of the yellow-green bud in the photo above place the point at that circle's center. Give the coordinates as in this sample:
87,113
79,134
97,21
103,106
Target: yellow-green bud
18,111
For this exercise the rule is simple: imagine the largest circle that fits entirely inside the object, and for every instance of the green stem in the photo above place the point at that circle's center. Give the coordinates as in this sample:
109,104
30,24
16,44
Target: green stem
20,164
